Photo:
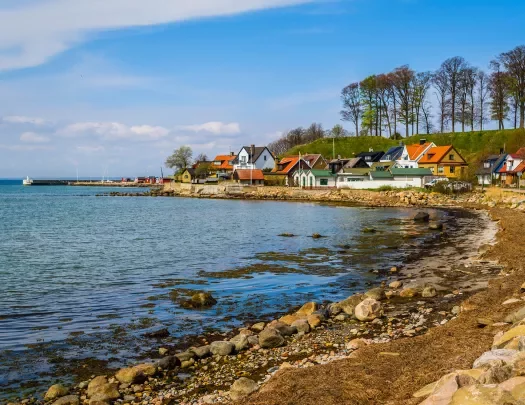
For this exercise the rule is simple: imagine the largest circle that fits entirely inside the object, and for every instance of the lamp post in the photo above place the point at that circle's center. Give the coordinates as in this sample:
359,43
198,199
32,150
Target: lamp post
519,180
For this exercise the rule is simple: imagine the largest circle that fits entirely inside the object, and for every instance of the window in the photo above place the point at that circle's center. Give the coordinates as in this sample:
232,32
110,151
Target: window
486,165
368,158
265,158
217,163
432,169
311,181
324,182
243,159
451,156
452,169
441,169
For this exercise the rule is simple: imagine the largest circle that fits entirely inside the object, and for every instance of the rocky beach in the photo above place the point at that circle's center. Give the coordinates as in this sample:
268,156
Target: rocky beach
417,310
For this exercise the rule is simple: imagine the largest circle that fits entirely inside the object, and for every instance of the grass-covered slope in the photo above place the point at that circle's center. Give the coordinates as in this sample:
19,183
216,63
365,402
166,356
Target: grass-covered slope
473,146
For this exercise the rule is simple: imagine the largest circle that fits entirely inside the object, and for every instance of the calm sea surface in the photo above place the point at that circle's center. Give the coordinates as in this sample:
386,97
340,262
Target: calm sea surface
84,277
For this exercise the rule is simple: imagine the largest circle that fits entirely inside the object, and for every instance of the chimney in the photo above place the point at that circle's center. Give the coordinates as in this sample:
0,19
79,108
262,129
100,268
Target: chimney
371,149
231,154
338,157
422,141
501,151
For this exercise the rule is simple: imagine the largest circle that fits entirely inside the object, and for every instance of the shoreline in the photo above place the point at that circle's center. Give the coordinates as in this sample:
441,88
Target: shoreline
327,351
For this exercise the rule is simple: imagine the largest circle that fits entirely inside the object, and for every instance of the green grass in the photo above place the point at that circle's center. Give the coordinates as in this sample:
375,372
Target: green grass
470,144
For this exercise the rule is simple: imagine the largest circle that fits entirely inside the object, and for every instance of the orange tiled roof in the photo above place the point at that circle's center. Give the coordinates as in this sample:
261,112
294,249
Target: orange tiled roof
521,152
416,149
520,168
289,161
247,174
435,154
225,162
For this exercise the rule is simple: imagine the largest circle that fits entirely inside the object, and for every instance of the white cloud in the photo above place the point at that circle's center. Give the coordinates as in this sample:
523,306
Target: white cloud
25,148
114,131
32,33
215,127
20,119
32,137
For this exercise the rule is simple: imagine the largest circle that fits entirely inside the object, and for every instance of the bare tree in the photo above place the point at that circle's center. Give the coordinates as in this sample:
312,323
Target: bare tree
441,84
202,157
403,80
499,91
466,86
337,132
453,68
351,105
384,90
482,96
279,146
421,86
514,63
426,109
312,133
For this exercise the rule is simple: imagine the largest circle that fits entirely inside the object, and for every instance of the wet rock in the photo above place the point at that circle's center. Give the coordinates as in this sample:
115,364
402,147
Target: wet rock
242,388
282,328
429,292
396,284
301,325
55,391
185,356
314,320
369,230
348,305
200,300
241,342
270,338
95,384
187,364
394,269
408,292
67,400
377,294
253,340
334,309
201,351
163,351
316,236
289,319
148,369
157,334
222,348
130,375
168,363
258,327
368,310
308,309
286,235
421,217
436,226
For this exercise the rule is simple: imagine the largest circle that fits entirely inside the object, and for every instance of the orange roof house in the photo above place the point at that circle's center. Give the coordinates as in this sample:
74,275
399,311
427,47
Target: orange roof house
443,161
223,163
289,165
249,176
416,151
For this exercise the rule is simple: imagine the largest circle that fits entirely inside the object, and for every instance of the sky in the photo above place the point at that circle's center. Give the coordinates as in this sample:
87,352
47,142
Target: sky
112,87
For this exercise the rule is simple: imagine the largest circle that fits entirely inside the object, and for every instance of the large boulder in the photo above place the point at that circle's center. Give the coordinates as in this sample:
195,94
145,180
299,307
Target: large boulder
55,391
201,300
168,363
185,356
67,400
483,395
148,369
130,375
242,388
408,292
289,319
314,320
509,335
368,310
284,329
270,338
222,348
241,342
302,325
348,305
440,392
421,217
201,351
377,294
308,309
497,357
95,384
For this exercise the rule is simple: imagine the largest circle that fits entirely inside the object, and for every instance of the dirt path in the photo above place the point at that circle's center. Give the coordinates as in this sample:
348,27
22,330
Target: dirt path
373,377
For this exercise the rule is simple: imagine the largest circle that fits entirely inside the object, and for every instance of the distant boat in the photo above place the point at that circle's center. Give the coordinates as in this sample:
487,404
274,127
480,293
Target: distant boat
27,181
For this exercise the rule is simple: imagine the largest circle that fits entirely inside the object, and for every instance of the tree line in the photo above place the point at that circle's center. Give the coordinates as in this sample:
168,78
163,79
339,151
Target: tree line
465,96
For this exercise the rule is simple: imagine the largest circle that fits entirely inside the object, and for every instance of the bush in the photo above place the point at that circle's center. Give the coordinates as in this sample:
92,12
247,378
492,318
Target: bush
386,188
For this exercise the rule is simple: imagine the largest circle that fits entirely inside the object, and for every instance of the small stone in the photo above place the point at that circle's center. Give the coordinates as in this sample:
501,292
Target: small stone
258,327
185,356
242,388
394,269
341,317
396,284
67,400
55,391
201,351
308,309
436,226
429,292
355,344
270,338
130,375
302,325
421,217
314,320
408,292
241,342
456,310
163,351
511,301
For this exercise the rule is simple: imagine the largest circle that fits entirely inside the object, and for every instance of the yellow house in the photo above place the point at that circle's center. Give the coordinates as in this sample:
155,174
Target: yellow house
444,161
187,175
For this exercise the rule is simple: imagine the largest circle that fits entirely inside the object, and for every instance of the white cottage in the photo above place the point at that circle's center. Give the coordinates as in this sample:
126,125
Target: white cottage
315,178
254,157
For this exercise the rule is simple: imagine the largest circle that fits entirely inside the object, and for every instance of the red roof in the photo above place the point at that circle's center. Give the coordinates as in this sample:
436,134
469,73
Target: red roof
521,152
417,149
435,154
225,162
520,168
288,164
247,174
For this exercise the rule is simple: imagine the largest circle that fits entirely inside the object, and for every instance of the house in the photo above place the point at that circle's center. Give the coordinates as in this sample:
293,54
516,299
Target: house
395,177
411,154
353,174
488,170
249,176
188,175
371,156
394,153
443,161
222,165
416,177
287,167
509,170
336,165
315,178
254,157
383,165
316,161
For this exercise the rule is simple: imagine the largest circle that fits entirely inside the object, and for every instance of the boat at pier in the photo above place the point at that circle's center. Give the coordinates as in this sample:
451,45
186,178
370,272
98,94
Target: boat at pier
27,181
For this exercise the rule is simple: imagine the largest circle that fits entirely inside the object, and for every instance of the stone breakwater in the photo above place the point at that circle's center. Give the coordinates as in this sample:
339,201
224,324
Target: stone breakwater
227,368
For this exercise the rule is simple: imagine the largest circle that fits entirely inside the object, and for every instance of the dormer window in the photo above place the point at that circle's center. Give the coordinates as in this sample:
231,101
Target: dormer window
368,158
431,155
486,165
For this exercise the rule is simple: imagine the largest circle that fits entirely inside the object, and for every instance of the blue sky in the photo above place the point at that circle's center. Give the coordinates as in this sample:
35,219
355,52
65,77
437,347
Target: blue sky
116,85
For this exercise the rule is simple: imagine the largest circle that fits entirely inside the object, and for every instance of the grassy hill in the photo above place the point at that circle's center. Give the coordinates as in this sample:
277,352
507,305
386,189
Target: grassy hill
473,146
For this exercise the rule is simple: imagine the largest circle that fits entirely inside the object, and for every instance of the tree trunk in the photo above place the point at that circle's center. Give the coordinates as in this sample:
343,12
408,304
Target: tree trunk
522,114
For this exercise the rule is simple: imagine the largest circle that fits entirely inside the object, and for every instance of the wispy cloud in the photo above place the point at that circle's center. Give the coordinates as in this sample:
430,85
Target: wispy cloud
20,119
214,127
32,33
114,131
32,137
